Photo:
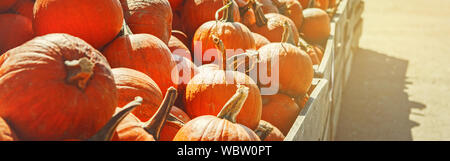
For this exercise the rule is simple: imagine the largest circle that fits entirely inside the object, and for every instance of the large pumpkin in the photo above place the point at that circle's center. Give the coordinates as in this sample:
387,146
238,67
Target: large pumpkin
280,110
207,92
133,129
96,22
197,12
316,26
6,131
131,83
234,36
222,127
14,30
144,53
149,16
76,95
6,4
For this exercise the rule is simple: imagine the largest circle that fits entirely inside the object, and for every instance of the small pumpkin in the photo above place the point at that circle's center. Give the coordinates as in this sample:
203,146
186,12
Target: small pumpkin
6,131
149,16
227,31
316,25
280,110
96,22
197,12
222,127
79,96
268,132
311,50
132,129
147,54
15,30
131,83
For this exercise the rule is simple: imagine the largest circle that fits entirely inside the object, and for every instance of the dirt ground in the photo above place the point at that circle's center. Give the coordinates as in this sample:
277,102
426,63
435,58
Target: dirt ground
399,87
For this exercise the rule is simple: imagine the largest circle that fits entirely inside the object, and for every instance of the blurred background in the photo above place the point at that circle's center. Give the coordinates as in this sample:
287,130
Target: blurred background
398,88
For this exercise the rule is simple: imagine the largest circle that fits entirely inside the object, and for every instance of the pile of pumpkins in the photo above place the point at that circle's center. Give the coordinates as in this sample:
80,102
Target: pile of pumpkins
116,69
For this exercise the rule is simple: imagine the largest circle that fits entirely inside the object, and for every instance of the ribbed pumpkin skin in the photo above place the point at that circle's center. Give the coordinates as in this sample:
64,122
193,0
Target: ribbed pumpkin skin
280,110
268,6
295,67
274,135
208,92
197,12
6,4
234,35
24,8
48,107
260,40
211,128
149,16
6,132
96,22
273,30
14,30
130,84
170,128
316,27
186,71
130,129
144,53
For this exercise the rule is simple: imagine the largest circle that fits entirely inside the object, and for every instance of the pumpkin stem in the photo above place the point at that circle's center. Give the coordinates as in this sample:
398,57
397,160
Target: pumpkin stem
107,131
261,19
304,45
79,71
154,125
287,34
227,12
126,29
249,56
263,130
173,119
219,45
234,105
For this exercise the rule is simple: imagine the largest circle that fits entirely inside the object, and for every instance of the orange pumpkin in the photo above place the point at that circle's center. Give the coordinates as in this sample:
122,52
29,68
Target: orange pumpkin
5,5
222,127
15,30
132,129
304,3
24,8
149,16
316,25
131,83
96,22
268,6
268,132
311,50
178,48
79,94
260,40
173,124
280,110
6,132
207,92
291,9
271,25
180,35
322,4
144,53
197,12
227,31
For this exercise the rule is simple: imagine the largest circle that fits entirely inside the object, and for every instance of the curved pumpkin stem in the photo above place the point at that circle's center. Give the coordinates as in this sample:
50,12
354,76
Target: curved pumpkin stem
261,19
219,45
287,34
107,131
263,130
79,71
227,12
154,125
232,108
304,45
249,56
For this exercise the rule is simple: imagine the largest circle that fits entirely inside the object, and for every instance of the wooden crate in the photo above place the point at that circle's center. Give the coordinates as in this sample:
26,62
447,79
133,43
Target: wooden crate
310,125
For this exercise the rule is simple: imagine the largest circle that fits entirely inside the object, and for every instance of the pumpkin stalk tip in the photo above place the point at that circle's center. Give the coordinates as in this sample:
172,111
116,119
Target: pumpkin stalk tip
107,131
234,105
263,130
154,125
79,71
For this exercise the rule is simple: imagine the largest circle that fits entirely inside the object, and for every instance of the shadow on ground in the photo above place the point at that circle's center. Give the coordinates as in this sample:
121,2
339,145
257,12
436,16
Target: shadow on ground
375,105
